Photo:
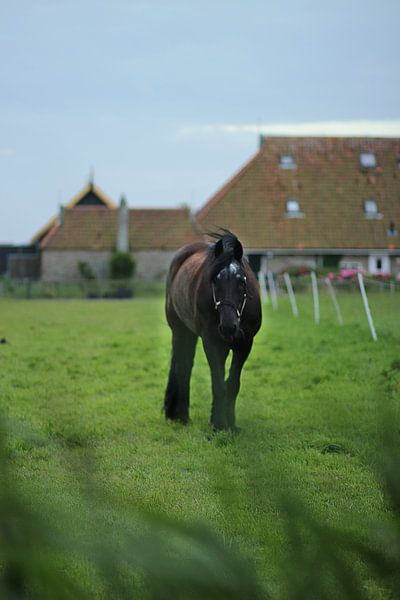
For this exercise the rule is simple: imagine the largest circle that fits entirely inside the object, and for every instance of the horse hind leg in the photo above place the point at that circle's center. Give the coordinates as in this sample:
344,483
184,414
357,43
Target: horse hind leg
176,401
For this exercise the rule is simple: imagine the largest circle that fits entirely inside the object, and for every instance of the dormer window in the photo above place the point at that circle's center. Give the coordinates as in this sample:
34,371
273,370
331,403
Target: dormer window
371,209
293,209
391,230
287,161
367,160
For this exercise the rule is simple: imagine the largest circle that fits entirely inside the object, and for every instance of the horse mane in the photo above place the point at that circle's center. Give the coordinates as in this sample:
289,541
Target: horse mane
182,255
229,242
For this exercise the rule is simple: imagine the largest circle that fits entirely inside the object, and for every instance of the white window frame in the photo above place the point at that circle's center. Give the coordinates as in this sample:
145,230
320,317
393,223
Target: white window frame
367,160
373,267
392,232
287,161
369,214
294,213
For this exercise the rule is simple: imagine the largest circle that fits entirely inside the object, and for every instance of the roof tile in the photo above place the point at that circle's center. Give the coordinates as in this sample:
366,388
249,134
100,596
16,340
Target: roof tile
95,228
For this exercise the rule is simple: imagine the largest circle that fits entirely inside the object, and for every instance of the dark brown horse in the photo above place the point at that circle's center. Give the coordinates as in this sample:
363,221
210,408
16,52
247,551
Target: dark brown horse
211,293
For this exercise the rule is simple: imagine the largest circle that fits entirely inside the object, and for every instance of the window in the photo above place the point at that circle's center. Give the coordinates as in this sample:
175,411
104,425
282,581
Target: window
391,230
367,160
378,264
351,264
293,208
287,161
371,209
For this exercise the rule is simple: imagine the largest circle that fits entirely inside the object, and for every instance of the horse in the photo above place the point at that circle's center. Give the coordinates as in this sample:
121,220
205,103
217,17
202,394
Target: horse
212,293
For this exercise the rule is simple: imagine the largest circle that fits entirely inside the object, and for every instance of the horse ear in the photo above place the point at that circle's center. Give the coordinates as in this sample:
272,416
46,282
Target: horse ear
218,248
238,250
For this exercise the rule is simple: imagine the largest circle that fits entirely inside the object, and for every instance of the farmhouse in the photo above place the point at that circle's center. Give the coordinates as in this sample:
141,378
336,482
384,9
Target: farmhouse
91,227
315,201
300,201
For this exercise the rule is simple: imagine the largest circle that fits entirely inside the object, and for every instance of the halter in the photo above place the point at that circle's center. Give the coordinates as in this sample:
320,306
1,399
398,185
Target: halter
219,303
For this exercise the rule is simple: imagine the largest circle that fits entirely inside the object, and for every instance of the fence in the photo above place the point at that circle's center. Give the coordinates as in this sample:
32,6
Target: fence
272,286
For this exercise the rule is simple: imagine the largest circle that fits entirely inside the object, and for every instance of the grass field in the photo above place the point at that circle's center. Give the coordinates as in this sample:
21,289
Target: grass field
87,377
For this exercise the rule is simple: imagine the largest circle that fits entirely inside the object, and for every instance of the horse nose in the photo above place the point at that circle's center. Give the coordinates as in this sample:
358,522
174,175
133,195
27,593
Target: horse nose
228,330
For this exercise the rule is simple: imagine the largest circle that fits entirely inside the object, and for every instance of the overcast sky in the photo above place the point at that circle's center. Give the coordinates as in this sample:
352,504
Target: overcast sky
165,99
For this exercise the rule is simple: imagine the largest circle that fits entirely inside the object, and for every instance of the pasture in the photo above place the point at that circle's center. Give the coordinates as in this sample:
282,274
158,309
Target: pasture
88,378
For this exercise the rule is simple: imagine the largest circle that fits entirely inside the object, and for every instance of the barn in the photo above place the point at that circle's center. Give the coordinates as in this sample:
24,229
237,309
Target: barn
90,227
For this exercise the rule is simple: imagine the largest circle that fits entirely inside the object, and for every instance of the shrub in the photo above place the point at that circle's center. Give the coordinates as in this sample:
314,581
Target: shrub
122,266
85,270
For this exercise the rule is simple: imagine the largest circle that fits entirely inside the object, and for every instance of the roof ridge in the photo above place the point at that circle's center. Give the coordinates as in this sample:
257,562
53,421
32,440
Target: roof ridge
226,186
163,208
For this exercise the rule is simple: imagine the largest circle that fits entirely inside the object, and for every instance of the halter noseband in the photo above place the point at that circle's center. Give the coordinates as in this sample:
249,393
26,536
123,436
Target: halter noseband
219,303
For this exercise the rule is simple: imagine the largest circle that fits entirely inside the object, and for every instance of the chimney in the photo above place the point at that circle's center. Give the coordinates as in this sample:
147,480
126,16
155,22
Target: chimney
61,214
123,226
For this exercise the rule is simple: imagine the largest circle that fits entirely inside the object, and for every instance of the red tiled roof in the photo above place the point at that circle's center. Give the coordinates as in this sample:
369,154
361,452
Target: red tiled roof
329,185
88,188
162,228
95,228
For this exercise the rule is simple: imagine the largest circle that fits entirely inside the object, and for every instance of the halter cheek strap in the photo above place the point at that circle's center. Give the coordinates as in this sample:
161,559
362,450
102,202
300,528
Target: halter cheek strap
219,303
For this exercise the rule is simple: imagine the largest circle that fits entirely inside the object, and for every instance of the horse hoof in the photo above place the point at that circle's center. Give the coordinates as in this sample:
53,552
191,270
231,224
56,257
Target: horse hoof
235,430
180,420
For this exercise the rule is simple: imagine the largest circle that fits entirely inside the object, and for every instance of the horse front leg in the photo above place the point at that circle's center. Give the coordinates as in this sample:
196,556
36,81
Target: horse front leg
216,355
176,401
239,357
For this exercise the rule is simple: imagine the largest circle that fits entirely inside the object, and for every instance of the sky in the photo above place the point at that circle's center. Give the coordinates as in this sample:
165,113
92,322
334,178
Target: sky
165,100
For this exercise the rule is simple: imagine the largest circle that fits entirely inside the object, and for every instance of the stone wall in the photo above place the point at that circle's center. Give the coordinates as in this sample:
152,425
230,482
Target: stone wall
153,264
62,265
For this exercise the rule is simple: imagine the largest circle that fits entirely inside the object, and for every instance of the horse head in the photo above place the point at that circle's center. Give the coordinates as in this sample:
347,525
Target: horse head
229,286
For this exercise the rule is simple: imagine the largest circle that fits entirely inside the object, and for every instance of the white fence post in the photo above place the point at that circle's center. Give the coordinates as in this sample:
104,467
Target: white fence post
315,296
334,299
263,287
272,290
292,297
366,306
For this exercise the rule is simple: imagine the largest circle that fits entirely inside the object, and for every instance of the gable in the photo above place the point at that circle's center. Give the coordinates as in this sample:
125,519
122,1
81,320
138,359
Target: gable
89,195
91,199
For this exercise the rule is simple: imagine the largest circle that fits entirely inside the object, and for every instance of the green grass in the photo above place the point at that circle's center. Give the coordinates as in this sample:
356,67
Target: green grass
88,378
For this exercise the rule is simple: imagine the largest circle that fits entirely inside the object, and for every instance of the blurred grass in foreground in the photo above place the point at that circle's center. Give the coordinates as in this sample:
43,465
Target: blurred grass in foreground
56,553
